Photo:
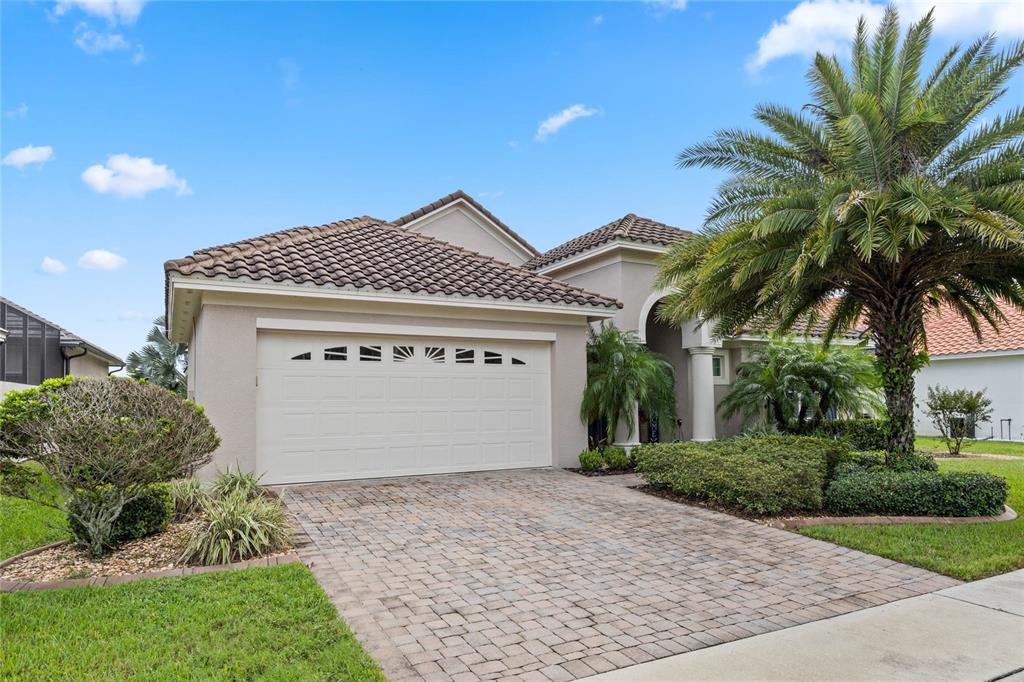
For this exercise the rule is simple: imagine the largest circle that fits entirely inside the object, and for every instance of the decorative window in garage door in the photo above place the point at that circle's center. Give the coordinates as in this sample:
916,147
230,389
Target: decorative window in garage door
465,356
303,356
403,353
336,353
435,354
369,354
492,357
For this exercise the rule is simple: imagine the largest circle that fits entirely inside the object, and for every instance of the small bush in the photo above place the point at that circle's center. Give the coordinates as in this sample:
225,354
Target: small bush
144,515
760,475
956,413
615,458
856,490
238,528
188,495
236,483
591,460
875,459
861,434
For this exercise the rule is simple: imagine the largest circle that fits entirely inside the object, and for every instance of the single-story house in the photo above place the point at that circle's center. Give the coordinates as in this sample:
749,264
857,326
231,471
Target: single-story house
439,341
33,349
957,359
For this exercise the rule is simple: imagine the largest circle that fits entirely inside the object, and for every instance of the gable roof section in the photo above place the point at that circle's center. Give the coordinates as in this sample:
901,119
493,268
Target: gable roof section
459,195
367,253
630,227
67,339
949,334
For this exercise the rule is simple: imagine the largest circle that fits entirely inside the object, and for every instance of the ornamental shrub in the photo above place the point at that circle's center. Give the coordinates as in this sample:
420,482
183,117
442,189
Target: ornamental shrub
875,459
759,475
188,495
102,442
237,528
956,413
145,514
861,434
236,483
856,490
591,460
615,458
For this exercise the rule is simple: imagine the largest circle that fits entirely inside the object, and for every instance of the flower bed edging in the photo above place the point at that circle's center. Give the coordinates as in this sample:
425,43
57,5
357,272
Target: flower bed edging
802,522
100,581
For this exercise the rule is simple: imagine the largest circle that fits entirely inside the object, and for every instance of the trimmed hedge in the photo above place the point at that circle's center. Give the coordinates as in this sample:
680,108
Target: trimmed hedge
861,434
147,514
759,475
875,459
860,491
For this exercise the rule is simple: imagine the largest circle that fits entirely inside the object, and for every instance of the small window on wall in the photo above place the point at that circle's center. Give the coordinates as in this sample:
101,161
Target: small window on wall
435,354
369,354
465,356
720,369
336,353
492,358
303,356
403,353
716,366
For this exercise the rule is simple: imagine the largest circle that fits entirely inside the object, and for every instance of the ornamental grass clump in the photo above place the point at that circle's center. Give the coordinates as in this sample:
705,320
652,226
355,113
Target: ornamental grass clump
235,528
236,483
187,495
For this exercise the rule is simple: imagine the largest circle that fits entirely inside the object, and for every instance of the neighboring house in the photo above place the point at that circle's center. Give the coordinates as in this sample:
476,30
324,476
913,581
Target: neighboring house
33,349
957,359
440,341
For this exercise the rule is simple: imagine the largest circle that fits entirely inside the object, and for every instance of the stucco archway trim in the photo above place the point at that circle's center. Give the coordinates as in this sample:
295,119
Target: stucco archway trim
645,312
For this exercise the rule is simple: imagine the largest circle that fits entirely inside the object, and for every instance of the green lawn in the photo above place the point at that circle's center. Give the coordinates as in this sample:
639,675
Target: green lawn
968,551
981,447
260,623
24,524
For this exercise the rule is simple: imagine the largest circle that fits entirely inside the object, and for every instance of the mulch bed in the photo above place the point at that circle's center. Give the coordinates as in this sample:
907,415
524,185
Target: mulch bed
153,553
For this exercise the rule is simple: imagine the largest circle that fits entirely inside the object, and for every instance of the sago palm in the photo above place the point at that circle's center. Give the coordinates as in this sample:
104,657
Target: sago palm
888,195
160,361
621,374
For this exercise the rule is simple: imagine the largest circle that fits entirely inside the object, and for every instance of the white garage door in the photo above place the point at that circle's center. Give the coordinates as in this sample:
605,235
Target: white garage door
338,406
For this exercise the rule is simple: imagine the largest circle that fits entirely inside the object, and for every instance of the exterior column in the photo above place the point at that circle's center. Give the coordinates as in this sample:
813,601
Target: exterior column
628,441
702,392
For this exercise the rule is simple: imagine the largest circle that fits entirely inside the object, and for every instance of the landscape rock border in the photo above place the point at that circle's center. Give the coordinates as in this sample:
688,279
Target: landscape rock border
804,521
103,580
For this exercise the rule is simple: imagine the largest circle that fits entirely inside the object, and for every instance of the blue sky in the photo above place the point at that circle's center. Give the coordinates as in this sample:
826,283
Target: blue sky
133,133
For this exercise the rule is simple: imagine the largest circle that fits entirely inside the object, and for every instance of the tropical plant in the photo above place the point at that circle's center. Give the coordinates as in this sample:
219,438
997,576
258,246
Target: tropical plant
236,528
160,361
103,442
236,483
796,386
956,413
188,495
623,374
890,193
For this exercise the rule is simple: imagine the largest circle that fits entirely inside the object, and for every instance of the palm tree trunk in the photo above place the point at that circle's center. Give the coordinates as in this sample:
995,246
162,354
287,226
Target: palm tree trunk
896,341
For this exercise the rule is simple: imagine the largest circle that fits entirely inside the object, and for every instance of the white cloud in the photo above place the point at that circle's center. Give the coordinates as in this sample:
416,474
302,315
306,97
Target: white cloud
27,155
52,266
99,259
96,42
670,5
114,11
597,20
552,124
828,25
132,176
20,111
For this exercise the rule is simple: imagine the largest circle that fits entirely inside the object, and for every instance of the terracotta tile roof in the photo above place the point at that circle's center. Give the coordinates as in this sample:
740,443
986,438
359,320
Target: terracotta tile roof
948,333
455,196
365,252
630,227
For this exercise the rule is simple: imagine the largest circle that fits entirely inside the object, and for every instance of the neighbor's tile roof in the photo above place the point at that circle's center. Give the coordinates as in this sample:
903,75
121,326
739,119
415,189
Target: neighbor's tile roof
948,333
366,252
455,196
630,227
818,326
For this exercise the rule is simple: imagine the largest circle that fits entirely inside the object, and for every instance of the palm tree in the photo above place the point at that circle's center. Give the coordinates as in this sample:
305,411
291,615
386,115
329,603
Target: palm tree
888,193
160,361
623,374
796,386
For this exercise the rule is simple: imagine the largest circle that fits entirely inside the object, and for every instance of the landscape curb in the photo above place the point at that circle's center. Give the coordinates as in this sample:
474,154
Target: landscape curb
803,522
99,581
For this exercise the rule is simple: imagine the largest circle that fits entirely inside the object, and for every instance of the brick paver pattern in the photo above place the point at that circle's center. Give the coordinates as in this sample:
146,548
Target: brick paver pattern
547,575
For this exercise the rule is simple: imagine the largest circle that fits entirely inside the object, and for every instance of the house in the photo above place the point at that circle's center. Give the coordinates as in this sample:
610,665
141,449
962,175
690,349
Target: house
957,359
440,341
33,349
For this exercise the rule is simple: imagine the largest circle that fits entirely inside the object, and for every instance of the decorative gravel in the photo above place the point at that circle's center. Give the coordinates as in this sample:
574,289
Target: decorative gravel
154,553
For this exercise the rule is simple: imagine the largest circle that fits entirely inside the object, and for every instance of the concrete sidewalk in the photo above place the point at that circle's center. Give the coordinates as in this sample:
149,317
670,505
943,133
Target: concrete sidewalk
973,631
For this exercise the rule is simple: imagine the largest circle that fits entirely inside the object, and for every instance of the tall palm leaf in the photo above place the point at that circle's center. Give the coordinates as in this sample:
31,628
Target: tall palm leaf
160,361
623,373
888,195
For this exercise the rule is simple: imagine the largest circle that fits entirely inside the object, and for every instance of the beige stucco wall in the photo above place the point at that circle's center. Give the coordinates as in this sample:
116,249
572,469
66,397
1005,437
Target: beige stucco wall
624,275
223,361
456,225
89,365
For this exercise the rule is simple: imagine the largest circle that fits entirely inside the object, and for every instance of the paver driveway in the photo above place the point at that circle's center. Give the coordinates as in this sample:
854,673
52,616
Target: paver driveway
548,575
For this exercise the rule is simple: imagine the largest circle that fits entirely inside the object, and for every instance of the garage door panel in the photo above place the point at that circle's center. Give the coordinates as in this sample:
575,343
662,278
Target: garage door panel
414,406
